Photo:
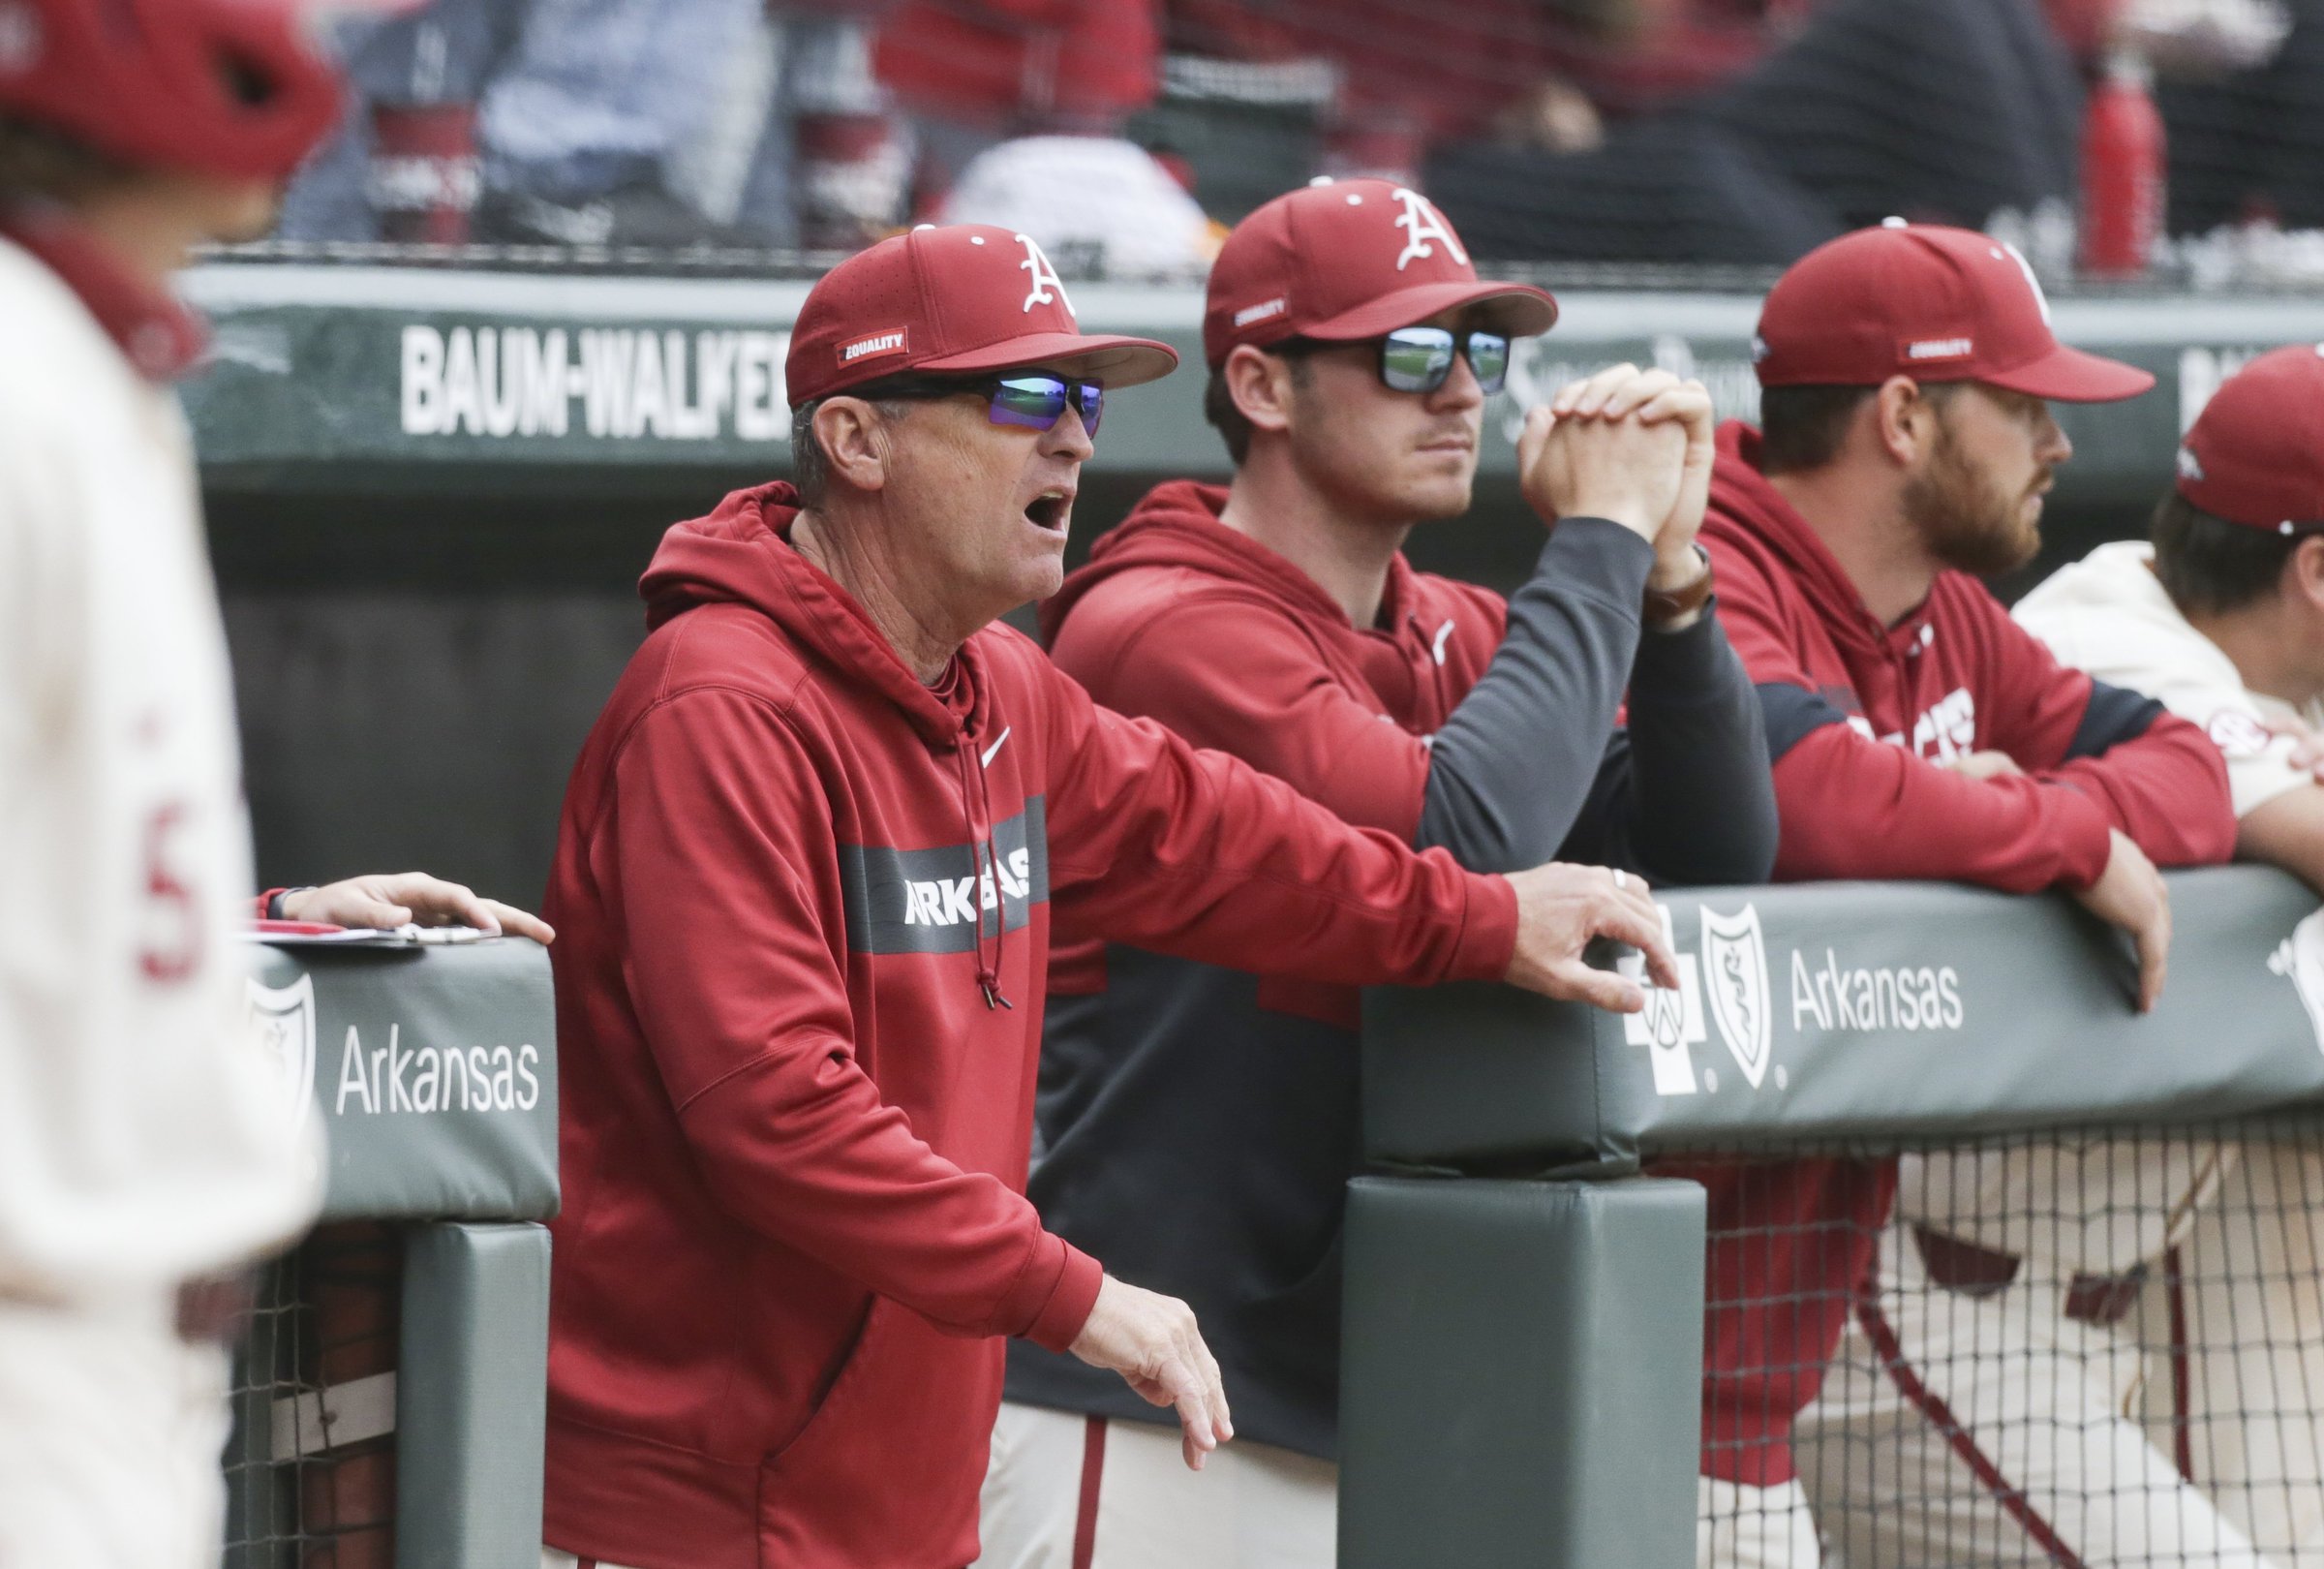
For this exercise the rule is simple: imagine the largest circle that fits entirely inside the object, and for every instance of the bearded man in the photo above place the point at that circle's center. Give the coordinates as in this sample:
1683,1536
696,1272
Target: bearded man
1907,445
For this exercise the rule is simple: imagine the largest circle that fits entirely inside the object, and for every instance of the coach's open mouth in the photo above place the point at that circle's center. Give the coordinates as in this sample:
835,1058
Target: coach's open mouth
1051,510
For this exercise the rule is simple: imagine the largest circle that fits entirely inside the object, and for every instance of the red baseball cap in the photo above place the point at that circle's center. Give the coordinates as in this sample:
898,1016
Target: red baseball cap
965,297
2255,454
1347,260
228,87
1934,303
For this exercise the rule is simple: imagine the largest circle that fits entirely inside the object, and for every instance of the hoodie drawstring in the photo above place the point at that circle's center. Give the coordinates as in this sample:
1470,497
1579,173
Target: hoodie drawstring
983,855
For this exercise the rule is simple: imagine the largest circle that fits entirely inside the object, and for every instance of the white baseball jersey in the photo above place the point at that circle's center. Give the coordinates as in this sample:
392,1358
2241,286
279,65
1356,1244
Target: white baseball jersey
143,1135
2096,1205
2108,614
2254,1357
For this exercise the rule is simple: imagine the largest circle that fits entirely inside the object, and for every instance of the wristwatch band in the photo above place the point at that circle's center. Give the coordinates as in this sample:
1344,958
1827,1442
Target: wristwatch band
276,896
1661,609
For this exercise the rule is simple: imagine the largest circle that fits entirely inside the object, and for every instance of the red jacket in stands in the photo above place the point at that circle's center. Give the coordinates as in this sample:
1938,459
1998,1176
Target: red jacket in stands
1452,69
1018,66
1859,715
795,1120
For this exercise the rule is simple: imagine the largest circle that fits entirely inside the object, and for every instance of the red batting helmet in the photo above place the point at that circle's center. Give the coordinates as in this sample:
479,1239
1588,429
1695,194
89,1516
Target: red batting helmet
226,87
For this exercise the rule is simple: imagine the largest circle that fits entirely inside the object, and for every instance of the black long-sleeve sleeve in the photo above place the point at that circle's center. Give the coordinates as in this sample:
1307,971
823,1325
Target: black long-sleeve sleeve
1510,772
1684,794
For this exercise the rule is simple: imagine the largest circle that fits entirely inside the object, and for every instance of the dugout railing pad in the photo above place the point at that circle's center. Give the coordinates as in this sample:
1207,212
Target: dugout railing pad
1524,1313
434,1073
1847,1009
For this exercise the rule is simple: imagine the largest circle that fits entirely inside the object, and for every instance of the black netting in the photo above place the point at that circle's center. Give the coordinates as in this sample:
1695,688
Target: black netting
310,1470
2076,1348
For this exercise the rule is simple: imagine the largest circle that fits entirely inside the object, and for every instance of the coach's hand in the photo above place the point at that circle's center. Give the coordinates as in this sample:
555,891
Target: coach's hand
1560,910
2131,894
1573,461
1155,1343
388,900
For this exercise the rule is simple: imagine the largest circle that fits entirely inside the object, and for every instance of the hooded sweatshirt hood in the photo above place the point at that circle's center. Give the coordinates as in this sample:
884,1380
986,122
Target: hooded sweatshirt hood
742,554
1177,525
1745,506
1171,564
1177,529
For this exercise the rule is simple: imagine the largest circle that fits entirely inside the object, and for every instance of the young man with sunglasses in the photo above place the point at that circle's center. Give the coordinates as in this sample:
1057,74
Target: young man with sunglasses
1352,352
804,884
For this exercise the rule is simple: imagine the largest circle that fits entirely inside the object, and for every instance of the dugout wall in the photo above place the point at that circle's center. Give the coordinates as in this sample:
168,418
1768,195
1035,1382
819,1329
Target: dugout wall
2086,1193
390,1398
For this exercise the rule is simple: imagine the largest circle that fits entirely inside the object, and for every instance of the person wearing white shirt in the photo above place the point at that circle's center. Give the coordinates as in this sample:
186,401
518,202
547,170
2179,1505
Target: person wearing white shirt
2035,1385
2221,618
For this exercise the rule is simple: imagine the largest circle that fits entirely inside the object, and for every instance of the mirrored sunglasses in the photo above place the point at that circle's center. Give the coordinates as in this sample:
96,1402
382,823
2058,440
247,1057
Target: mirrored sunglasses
1419,359
1033,399
1037,400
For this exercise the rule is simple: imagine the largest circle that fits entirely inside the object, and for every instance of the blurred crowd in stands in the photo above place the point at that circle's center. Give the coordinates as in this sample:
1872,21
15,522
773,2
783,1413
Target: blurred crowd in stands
1123,132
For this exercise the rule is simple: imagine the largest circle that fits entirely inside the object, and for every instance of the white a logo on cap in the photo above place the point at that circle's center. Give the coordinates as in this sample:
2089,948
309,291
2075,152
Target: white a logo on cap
1047,288
2022,266
1422,223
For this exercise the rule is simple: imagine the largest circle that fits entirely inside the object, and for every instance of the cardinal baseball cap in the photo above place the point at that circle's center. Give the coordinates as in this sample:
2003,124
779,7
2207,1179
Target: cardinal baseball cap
235,88
951,300
2255,454
1934,303
1347,260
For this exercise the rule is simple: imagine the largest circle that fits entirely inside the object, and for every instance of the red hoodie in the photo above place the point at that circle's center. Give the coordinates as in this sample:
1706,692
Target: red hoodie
795,1130
1019,66
1170,588
1858,718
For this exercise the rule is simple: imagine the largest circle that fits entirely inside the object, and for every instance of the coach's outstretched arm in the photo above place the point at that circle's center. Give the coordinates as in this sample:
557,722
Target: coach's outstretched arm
744,1004
1191,852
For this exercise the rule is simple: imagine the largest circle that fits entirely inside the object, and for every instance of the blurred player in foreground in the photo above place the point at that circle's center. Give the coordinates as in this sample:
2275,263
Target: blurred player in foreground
1917,732
2221,617
1352,349
143,1153
805,881
144,1159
